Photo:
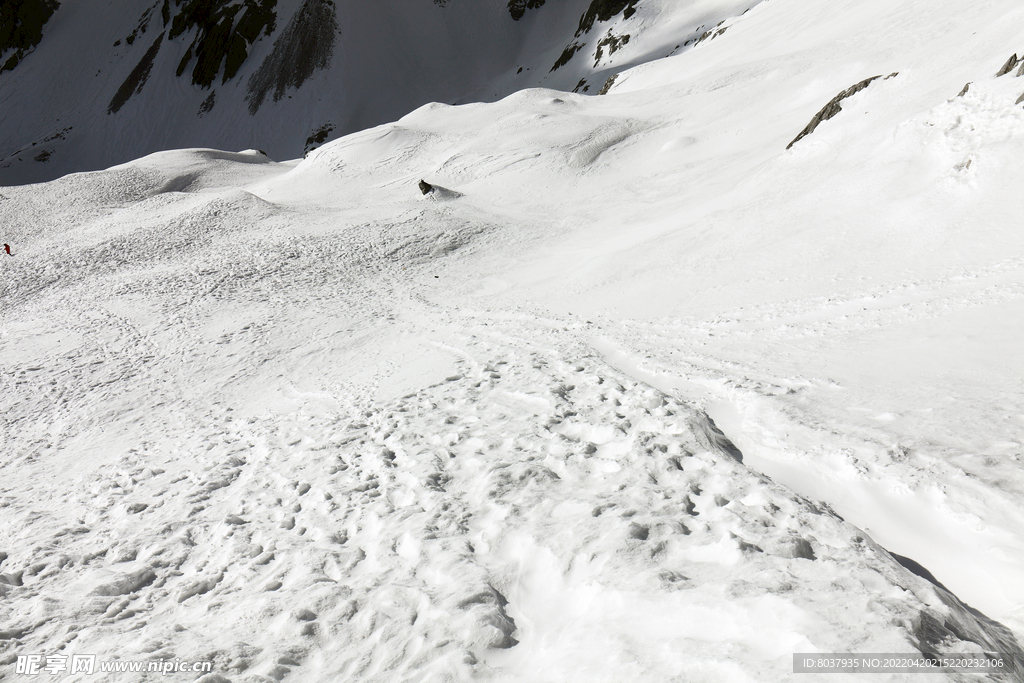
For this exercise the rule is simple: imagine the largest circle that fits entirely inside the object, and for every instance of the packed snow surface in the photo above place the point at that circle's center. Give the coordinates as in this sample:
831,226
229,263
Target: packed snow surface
634,393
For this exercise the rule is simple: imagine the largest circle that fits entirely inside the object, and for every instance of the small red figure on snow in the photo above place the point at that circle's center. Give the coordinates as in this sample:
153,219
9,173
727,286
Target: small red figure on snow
7,248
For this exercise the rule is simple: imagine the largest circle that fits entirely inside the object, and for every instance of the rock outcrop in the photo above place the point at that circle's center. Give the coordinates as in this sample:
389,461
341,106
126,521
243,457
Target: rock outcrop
1008,66
834,107
21,28
305,45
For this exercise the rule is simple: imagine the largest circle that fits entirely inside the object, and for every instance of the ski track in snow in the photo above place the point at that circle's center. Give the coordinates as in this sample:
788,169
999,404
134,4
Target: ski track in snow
932,486
512,521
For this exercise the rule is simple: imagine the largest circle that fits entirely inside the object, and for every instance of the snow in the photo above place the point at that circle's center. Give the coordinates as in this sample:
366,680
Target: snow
385,60
634,394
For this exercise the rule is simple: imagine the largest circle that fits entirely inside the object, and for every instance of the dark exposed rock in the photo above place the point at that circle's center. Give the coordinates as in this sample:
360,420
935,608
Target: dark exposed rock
566,55
305,45
1020,71
208,103
141,27
612,42
517,8
603,10
964,91
137,78
608,85
932,630
831,109
447,243
712,33
956,620
220,39
318,137
1010,63
1020,99
916,568
581,86
21,27
599,10
42,156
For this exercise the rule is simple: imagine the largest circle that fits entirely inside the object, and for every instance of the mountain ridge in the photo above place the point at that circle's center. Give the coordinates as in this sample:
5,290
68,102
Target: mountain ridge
294,66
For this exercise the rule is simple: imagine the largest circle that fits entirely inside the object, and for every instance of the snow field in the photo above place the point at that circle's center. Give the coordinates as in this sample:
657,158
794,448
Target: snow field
563,507
303,421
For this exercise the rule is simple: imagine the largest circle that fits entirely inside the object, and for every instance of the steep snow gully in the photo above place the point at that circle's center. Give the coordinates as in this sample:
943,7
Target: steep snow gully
542,387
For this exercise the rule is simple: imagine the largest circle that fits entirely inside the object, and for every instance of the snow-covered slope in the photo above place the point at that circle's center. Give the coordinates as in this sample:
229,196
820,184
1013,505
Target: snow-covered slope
634,393
109,82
